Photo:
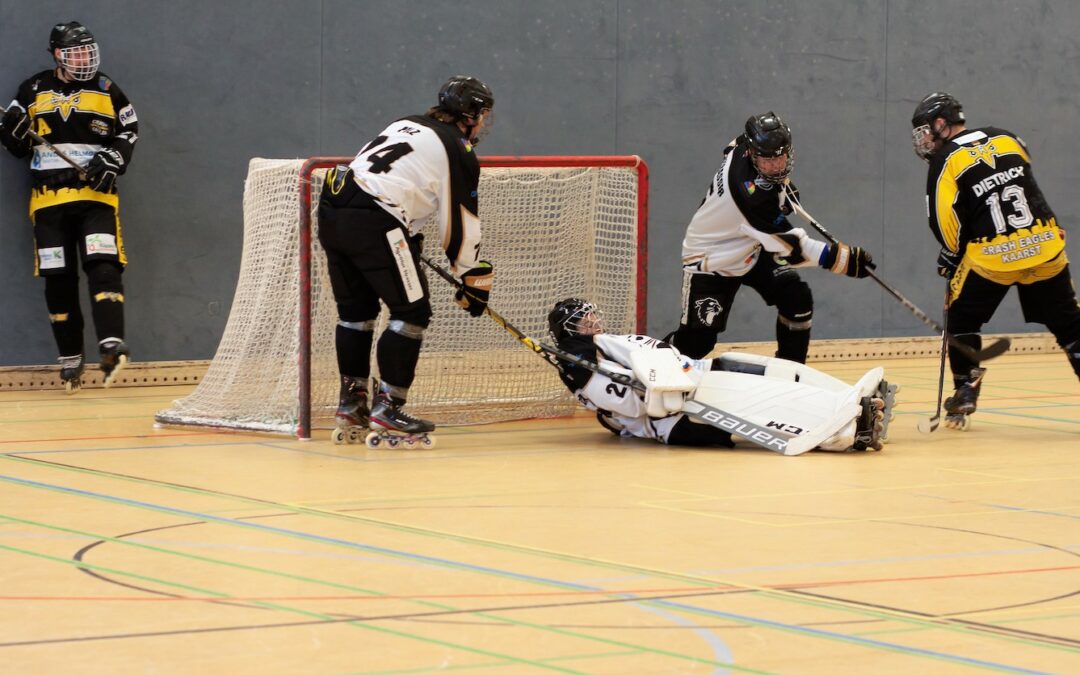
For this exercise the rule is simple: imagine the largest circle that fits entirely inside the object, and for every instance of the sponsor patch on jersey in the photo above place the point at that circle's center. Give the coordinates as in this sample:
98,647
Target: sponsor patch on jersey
750,186
707,309
101,244
467,144
127,115
99,127
51,258
410,276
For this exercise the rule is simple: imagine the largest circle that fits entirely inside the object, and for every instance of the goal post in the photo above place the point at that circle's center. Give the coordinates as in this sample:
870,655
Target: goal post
552,226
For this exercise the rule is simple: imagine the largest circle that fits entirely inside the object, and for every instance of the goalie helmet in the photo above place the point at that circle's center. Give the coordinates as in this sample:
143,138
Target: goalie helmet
79,56
924,137
573,317
466,97
770,139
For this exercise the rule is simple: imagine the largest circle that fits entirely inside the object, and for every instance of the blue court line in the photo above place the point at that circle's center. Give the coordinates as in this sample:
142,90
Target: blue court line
443,562
720,648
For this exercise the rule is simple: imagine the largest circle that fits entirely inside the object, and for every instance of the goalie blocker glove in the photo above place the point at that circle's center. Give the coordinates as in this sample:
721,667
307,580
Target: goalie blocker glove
16,122
103,168
852,261
947,262
475,288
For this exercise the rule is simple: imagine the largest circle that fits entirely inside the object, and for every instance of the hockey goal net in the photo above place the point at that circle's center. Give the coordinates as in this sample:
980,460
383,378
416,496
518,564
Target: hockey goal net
553,227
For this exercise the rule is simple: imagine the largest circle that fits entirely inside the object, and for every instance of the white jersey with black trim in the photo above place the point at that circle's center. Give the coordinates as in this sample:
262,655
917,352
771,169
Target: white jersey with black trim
418,167
622,404
740,215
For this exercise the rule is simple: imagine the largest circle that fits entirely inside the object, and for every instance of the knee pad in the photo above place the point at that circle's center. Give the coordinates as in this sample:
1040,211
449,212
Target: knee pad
61,296
104,281
796,304
417,317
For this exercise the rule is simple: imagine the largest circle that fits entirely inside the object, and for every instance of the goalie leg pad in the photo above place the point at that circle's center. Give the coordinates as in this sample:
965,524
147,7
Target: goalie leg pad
779,368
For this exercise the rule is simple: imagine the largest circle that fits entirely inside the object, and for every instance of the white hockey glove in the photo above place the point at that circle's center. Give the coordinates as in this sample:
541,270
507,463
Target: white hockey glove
666,381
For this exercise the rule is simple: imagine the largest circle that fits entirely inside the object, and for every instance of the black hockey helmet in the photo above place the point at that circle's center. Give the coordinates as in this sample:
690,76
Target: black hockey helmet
768,137
79,54
565,319
465,97
925,139
938,104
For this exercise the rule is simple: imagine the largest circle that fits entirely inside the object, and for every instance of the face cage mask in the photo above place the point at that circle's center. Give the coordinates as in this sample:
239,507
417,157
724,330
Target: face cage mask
580,323
489,120
776,177
923,140
81,62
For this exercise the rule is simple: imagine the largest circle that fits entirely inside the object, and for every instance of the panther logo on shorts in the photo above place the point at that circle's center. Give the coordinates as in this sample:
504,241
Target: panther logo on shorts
707,310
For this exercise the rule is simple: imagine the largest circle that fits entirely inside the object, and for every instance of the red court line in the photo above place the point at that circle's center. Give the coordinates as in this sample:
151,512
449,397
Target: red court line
634,591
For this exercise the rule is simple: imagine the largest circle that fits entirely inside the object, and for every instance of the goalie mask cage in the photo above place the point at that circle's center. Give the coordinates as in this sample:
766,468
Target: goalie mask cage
554,227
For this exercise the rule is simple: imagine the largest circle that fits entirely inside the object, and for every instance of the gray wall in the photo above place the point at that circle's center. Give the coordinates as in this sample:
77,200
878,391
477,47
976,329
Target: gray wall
216,83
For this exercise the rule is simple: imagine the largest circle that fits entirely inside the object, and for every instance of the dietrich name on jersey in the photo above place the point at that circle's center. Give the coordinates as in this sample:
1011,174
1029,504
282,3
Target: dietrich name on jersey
418,168
79,119
983,201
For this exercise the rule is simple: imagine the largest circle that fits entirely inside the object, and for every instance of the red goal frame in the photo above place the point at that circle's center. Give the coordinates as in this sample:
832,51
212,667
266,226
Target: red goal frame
303,430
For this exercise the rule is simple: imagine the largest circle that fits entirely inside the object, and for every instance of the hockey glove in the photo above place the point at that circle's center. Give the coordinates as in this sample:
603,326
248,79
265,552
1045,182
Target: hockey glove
848,260
475,288
103,168
947,262
16,122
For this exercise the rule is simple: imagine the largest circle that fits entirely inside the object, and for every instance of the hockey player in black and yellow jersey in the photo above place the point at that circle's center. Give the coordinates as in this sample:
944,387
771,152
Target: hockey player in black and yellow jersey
996,231
87,118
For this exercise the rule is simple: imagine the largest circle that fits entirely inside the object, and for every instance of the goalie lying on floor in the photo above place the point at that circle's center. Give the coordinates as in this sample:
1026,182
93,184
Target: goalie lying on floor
782,396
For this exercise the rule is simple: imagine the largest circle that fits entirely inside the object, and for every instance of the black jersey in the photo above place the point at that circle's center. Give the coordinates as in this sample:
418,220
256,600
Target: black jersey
79,118
982,200
741,214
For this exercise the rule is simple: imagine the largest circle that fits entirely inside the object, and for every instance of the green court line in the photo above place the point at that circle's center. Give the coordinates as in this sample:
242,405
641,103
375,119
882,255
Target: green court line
366,591
836,605
286,608
439,669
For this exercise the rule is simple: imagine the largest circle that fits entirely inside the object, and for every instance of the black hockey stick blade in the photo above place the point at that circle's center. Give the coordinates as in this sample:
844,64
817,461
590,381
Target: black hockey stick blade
998,347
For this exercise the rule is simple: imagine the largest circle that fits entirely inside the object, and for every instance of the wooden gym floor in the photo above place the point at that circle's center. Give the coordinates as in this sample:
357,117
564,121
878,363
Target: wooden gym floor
545,545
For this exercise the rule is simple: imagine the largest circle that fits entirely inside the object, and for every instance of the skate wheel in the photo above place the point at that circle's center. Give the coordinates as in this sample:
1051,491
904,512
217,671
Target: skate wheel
393,441
337,436
409,442
373,440
354,435
427,441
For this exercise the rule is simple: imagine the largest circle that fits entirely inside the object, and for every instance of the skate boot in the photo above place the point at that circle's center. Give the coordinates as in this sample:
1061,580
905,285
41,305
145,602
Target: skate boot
353,413
391,425
114,357
870,424
71,370
961,404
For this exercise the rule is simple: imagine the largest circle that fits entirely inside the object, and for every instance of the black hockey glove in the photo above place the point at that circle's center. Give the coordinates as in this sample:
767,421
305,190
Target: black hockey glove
103,168
475,288
848,260
16,122
947,262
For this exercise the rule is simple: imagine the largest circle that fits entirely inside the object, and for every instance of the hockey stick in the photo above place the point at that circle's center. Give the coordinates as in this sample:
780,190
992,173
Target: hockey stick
997,348
59,153
770,439
929,426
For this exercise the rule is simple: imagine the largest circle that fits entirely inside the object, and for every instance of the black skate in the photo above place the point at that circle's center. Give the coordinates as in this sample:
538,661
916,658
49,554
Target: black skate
353,414
870,424
71,370
114,357
391,425
962,404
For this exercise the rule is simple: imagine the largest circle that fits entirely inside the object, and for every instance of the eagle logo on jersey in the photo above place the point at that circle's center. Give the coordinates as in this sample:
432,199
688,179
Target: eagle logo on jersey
61,103
707,310
985,153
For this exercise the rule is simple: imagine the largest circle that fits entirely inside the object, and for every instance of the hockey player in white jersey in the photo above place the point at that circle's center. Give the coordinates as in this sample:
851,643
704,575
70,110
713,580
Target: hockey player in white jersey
774,393
370,213
740,235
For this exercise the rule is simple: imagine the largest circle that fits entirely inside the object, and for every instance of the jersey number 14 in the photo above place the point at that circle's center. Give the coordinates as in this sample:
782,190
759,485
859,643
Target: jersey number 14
383,158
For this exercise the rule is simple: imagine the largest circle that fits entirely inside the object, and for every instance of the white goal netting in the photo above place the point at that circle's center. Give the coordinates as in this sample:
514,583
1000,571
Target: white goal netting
550,231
